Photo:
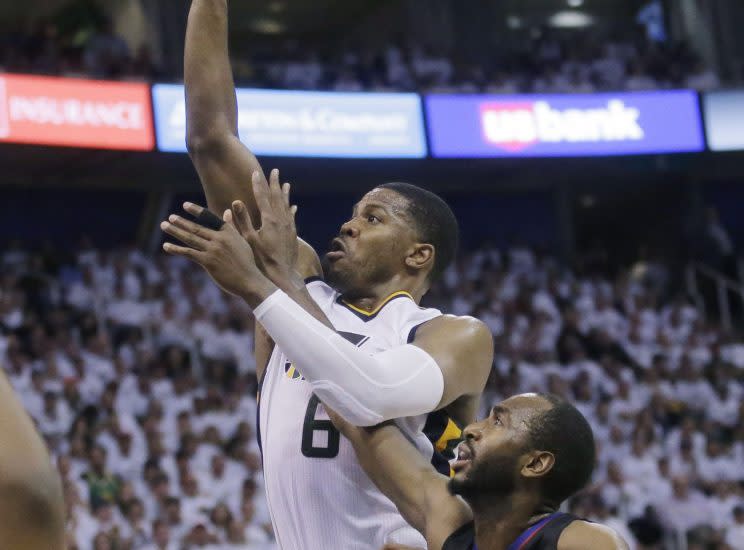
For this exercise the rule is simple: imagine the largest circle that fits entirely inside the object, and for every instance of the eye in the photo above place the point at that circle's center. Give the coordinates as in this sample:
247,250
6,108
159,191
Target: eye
373,219
497,420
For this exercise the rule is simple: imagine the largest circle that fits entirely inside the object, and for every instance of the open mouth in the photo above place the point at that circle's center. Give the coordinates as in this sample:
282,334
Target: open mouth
338,250
464,457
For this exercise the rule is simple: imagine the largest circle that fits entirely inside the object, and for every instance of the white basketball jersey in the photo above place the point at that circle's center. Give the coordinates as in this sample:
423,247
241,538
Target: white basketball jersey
318,494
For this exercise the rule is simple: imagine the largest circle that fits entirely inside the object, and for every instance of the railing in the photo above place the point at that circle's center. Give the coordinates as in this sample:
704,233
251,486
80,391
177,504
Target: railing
725,289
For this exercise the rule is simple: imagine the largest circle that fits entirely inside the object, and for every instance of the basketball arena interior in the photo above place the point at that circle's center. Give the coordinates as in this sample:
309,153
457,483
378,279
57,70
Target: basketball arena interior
592,152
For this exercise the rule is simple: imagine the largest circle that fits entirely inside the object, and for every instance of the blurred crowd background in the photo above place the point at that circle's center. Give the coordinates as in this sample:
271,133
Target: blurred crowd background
617,284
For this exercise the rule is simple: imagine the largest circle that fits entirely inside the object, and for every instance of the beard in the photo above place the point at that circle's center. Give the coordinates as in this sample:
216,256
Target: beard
353,278
495,475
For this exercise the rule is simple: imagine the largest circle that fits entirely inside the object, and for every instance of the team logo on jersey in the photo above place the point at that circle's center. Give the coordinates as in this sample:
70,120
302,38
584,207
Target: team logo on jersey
358,340
291,371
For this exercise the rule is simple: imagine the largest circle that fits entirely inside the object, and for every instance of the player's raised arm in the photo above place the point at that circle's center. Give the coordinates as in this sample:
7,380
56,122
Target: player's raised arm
31,507
224,164
403,474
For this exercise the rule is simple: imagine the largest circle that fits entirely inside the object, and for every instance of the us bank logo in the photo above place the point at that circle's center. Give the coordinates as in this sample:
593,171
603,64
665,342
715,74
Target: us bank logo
517,126
564,125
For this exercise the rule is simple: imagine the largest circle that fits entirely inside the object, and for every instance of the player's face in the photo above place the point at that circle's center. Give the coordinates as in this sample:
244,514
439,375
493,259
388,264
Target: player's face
496,449
372,246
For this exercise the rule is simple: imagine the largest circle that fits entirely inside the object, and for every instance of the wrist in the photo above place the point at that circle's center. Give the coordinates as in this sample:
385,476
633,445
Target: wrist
256,289
285,278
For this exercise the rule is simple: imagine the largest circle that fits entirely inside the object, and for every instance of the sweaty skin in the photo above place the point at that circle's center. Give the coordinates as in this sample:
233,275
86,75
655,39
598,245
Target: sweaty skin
233,179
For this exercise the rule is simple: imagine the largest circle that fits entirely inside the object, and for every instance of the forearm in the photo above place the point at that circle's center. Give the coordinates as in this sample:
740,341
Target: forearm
211,106
224,164
364,388
397,468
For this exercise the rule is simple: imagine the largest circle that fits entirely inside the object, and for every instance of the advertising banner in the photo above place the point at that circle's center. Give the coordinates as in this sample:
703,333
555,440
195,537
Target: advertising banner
75,113
308,124
724,120
564,125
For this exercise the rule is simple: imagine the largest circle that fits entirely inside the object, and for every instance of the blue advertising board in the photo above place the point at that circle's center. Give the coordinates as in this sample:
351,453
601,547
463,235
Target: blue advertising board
564,125
308,124
724,120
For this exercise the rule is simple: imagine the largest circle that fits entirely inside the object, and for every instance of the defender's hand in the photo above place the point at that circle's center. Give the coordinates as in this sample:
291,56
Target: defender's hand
275,242
224,254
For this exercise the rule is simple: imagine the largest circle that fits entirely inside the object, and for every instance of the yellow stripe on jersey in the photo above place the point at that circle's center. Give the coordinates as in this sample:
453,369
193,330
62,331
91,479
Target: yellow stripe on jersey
382,304
451,432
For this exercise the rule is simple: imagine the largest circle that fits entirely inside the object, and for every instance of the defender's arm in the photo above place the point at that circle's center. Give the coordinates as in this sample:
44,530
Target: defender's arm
402,473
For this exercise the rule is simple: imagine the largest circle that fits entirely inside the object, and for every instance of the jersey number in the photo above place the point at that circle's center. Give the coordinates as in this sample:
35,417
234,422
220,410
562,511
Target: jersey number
311,426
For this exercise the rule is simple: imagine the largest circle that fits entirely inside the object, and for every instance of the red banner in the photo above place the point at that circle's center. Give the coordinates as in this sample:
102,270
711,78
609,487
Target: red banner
75,113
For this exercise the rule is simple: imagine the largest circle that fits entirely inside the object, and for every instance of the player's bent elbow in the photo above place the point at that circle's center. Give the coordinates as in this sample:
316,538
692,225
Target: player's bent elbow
199,143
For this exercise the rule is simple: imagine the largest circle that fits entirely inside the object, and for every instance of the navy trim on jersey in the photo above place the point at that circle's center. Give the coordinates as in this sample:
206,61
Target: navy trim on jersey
435,429
412,334
314,279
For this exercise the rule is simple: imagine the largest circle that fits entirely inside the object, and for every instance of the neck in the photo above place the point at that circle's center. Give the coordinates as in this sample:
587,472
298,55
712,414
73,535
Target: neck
371,298
500,520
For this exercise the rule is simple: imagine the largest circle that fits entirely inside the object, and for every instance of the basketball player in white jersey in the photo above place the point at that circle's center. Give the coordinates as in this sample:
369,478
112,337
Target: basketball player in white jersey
31,509
359,341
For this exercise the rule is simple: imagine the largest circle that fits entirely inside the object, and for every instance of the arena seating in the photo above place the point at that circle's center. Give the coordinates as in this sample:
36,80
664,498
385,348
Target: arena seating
139,373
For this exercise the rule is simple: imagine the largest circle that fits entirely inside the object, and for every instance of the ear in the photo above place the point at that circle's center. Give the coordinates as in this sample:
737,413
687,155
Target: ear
538,464
420,256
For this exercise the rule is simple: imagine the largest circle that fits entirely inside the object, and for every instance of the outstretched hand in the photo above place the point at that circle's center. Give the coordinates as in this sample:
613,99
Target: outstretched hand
224,254
275,242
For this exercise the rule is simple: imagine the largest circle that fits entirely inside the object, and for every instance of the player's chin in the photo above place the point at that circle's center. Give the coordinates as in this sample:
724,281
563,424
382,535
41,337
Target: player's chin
458,484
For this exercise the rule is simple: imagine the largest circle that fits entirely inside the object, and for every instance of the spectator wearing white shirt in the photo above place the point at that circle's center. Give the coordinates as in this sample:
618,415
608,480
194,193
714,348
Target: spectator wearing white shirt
735,533
685,508
640,466
683,463
161,538
715,465
723,408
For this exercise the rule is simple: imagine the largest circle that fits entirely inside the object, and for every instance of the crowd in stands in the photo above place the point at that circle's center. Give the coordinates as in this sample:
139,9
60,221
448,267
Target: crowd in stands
546,62
92,53
139,373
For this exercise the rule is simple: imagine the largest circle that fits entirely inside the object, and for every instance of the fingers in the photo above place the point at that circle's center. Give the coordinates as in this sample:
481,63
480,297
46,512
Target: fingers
193,209
187,232
285,194
242,220
190,253
261,192
275,189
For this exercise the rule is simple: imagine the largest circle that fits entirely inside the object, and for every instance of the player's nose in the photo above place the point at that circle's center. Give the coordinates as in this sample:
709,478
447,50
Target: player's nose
473,432
349,229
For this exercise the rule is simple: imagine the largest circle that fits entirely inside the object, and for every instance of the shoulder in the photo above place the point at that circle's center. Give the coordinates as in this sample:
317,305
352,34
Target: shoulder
463,331
308,261
582,535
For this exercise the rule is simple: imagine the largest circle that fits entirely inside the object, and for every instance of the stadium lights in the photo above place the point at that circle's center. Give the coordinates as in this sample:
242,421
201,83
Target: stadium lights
571,19
267,26
575,3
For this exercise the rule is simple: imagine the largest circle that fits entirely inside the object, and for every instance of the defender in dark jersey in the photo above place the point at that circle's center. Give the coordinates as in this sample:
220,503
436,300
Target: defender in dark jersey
512,473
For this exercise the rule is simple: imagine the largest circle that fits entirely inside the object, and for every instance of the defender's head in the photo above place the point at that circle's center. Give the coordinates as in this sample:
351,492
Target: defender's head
396,230
529,443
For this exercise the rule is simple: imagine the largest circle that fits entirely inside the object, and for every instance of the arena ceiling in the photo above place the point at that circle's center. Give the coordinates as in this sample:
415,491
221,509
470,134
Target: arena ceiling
303,16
